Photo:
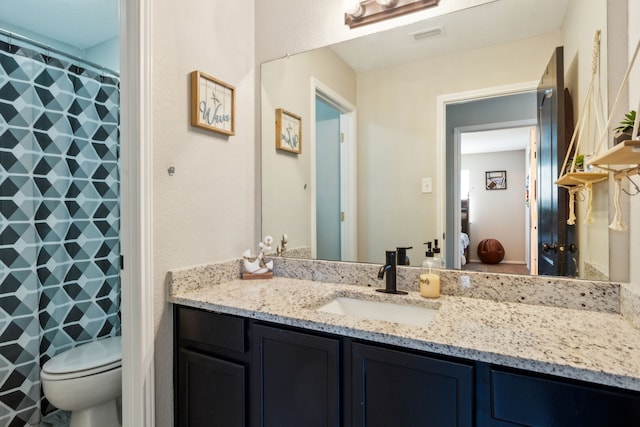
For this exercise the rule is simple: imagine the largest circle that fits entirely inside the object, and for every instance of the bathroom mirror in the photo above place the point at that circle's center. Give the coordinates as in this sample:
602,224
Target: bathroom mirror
383,95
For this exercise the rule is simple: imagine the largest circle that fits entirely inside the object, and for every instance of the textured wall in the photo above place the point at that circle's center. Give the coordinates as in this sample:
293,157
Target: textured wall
206,211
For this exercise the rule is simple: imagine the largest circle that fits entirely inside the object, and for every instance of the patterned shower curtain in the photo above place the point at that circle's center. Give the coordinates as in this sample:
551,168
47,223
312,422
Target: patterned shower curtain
59,219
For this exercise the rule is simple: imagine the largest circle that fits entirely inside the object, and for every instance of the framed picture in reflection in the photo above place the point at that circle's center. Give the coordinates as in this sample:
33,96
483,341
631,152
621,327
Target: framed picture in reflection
496,180
288,131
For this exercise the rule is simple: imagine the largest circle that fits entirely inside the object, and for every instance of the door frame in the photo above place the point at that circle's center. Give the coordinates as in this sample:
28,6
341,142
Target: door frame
348,171
442,101
457,144
136,148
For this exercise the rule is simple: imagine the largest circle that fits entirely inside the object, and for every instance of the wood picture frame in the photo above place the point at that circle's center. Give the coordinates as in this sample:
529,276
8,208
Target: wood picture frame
213,104
496,180
288,131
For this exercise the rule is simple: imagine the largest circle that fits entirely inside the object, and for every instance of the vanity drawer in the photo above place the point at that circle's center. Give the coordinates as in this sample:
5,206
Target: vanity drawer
221,331
527,399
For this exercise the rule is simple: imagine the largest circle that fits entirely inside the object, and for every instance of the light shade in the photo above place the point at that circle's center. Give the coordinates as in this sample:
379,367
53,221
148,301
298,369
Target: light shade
386,3
364,12
353,8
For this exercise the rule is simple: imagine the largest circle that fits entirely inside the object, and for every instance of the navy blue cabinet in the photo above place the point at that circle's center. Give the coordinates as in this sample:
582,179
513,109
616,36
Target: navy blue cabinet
296,382
397,388
211,391
211,369
511,397
232,371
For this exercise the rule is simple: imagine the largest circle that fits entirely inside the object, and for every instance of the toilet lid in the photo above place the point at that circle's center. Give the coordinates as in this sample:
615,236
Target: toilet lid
86,356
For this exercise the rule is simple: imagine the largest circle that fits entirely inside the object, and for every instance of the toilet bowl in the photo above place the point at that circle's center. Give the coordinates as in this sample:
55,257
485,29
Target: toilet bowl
86,380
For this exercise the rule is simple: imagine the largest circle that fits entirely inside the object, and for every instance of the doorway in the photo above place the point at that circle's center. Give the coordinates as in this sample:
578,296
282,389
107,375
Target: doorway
60,192
333,184
509,106
504,150
329,214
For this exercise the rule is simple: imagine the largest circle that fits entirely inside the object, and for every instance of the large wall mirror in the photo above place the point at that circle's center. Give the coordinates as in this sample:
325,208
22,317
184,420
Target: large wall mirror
382,115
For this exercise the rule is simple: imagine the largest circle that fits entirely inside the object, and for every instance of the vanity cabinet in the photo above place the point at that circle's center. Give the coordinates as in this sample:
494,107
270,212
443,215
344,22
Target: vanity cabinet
232,371
397,388
510,397
211,369
296,380
211,391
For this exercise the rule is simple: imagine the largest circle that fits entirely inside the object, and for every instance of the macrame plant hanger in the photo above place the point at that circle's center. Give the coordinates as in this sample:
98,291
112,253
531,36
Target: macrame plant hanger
575,182
618,223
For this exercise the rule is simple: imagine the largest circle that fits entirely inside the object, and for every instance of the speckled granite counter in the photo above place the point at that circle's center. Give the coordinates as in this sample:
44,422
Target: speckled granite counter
596,346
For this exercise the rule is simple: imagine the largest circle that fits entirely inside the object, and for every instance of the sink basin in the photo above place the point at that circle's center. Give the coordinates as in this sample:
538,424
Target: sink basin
377,310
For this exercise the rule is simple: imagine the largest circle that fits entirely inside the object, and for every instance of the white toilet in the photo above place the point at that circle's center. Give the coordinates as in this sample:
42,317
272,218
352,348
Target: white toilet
86,380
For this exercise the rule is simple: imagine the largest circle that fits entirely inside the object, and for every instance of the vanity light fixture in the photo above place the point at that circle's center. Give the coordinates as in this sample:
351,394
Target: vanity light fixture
362,12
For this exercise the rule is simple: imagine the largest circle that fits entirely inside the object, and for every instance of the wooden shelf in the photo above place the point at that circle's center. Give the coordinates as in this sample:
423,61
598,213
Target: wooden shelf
579,178
625,153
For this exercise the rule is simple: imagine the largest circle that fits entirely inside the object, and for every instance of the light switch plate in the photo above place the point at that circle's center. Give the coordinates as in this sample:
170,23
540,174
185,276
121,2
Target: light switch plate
427,186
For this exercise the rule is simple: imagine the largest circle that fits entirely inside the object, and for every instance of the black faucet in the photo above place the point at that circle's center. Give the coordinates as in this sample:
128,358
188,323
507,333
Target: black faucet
403,259
390,269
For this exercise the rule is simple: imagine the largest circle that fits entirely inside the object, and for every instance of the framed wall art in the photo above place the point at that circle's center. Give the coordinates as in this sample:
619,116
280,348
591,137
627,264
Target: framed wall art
213,104
288,131
496,180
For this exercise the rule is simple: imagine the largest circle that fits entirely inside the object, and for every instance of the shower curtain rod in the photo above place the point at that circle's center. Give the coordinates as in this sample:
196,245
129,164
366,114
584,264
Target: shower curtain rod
11,35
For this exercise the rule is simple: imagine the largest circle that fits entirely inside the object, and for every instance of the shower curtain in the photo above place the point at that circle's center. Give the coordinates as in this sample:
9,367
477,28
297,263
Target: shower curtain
59,219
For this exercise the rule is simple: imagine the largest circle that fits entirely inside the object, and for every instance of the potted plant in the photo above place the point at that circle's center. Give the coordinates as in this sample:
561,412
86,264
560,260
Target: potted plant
578,166
625,129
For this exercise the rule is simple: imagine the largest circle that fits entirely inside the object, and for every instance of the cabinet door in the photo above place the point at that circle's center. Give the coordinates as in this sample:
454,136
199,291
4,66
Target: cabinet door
394,388
520,398
211,392
296,379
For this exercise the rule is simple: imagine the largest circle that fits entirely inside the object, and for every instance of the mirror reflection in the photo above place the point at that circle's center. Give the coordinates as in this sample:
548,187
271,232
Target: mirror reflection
401,132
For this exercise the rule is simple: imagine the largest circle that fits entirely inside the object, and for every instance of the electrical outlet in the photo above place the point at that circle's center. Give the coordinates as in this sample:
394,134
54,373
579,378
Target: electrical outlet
427,185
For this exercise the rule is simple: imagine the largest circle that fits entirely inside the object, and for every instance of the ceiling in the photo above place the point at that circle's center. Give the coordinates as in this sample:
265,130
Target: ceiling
489,141
78,23
497,22
500,21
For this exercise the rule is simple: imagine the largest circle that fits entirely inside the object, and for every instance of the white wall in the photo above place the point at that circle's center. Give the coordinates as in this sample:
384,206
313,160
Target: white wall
585,17
206,211
286,177
634,100
393,210
497,214
106,54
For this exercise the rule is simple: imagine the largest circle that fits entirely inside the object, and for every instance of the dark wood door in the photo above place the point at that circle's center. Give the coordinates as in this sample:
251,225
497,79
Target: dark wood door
394,388
296,379
555,237
211,391
523,399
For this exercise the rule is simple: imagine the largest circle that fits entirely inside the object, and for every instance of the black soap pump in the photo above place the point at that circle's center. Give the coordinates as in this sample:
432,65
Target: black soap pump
438,261
428,261
403,259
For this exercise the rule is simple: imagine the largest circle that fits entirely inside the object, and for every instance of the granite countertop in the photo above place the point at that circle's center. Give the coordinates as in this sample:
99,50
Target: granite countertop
598,347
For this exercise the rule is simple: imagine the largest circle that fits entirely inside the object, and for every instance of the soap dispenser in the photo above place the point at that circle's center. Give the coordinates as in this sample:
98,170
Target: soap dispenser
438,260
429,282
428,261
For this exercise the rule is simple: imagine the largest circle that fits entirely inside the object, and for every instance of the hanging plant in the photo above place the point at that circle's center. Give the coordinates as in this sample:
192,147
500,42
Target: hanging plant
624,129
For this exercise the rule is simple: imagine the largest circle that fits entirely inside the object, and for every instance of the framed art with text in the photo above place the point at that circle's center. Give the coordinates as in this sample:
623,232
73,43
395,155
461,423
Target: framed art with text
213,104
288,131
